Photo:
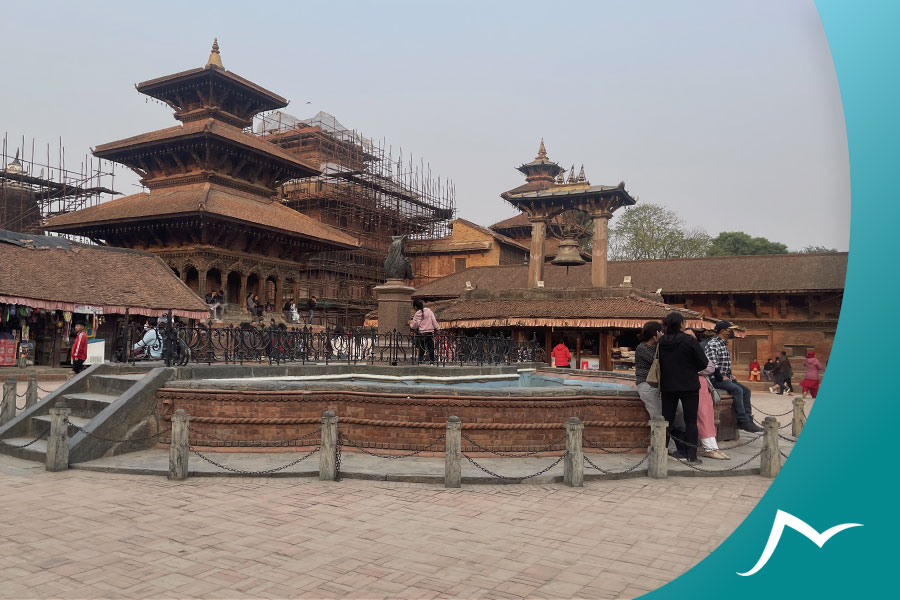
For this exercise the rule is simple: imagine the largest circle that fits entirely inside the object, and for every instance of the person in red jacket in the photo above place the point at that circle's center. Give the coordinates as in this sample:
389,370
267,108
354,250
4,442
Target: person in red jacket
79,348
561,355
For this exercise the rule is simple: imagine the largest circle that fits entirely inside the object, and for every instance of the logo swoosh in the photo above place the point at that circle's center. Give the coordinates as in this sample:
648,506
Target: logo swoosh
782,520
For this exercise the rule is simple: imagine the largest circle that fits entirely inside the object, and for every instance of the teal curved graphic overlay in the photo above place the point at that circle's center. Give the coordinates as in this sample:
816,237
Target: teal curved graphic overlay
842,469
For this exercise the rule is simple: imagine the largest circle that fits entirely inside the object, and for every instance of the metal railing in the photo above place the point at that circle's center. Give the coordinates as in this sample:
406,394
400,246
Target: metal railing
178,344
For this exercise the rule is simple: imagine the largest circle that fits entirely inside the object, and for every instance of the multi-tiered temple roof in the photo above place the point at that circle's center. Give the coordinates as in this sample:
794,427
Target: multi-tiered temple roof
207,177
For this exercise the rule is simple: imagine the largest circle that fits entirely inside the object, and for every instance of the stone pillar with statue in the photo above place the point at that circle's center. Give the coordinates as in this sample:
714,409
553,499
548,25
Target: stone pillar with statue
395,296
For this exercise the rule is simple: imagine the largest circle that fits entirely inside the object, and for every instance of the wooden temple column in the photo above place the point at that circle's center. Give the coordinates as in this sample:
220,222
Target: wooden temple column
599,249
201,284
536,258
242,299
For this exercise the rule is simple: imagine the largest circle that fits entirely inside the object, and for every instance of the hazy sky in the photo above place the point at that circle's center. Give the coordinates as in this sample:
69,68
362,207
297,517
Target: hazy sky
727,112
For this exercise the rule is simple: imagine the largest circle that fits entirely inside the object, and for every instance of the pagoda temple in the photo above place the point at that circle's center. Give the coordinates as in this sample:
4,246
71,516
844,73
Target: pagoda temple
546,193
210,211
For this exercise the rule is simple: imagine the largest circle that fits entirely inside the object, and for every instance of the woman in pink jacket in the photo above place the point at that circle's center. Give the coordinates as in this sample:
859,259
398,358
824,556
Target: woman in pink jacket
706,415
810,383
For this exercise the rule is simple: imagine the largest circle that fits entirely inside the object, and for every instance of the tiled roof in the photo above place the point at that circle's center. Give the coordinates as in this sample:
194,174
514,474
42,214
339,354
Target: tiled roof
520,220
148,87
205,127
206,198
92,275
630,307
497,236
767,273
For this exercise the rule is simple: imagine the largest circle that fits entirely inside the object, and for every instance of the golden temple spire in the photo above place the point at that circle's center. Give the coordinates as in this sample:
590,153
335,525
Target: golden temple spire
560,180
215,59
542,152
581,178
572,174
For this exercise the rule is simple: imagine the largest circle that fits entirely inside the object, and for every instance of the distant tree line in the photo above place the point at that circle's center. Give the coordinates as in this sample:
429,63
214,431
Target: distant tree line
650,231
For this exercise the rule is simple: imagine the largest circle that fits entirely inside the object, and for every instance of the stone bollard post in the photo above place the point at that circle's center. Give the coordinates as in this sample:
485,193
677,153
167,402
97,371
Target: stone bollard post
658,461
770,459
452,453
31,394
8,413
58,440
328,448
573,463
797,422
179,446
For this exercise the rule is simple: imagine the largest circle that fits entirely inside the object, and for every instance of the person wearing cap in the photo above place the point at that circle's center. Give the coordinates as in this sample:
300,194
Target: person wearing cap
718,353
150,344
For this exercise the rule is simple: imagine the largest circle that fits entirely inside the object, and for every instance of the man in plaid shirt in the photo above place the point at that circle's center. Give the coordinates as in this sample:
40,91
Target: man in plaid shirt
717,352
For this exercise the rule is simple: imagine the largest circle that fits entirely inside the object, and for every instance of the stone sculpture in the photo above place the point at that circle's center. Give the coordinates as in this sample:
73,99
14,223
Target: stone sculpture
397,266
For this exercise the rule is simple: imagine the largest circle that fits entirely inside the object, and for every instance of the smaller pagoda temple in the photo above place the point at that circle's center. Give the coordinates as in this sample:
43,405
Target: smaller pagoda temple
211,212
546,193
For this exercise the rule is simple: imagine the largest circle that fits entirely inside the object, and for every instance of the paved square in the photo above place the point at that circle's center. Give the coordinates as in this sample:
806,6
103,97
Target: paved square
81,534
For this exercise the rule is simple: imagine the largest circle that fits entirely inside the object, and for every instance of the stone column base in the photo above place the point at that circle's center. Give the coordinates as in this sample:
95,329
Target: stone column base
394,306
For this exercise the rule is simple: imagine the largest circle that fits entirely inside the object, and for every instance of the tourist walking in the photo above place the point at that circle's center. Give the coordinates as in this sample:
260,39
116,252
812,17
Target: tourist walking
680,359
810,383
79,348
706,413
783,374
788,373
561,356
717,351
311,307
425,324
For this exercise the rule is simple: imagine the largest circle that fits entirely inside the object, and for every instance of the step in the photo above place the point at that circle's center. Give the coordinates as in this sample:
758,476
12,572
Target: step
75,423
36,451
114,383
89,402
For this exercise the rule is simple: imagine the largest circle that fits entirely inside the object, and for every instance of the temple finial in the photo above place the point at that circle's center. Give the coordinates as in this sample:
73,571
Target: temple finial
572,174
581,178
560,180
542,152
215,59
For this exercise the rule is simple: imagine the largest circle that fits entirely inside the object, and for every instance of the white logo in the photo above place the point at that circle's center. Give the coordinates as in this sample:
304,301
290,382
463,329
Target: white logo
782,520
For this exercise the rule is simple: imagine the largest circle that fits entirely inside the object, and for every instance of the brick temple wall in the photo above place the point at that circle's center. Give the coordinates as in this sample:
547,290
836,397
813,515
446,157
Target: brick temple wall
408,421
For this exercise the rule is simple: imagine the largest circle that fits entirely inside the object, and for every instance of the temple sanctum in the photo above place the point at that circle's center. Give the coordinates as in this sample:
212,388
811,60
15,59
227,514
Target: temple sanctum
211,211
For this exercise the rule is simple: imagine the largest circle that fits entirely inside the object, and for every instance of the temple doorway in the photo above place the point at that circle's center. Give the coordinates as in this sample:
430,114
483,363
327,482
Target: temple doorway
233,289
192,279
214,281
253,284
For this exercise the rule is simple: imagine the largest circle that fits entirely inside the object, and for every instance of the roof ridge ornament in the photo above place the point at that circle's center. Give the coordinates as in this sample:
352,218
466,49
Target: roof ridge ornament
215,58
542,152
581,177
572,174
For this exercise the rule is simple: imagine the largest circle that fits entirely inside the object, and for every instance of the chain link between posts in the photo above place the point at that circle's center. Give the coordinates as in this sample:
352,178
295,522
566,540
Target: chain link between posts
427,448
506,478
34,441
265,472
608,472
548,448
68,423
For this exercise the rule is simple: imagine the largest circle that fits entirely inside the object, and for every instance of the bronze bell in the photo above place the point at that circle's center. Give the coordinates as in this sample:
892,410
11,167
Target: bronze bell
568,254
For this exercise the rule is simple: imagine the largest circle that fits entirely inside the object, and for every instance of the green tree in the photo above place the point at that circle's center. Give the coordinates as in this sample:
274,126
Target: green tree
738,243
812,249
649,231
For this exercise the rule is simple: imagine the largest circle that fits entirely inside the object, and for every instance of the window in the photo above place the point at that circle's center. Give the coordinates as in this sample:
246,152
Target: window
459,264
798,350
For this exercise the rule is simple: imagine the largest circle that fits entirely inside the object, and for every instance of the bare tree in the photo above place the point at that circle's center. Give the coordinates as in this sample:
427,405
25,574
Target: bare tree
649,231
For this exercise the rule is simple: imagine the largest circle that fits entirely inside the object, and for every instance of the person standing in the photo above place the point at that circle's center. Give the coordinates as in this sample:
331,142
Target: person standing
425,324
788,374
706,414
562,356
810,383
717,351
311,306
680,359
79,348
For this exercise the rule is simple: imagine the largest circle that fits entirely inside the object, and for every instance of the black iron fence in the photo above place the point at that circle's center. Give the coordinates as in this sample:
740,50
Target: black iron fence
180,344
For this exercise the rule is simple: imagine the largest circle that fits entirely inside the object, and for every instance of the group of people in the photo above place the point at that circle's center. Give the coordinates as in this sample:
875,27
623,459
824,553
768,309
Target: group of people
780,372
689,380
292,310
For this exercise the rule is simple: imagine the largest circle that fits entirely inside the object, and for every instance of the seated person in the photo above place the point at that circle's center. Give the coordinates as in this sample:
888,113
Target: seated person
768,369
754,370
150,345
